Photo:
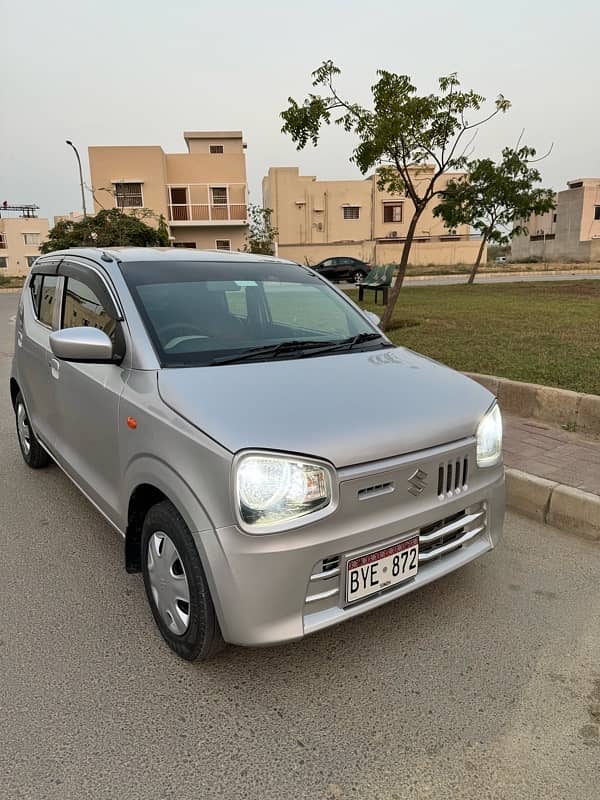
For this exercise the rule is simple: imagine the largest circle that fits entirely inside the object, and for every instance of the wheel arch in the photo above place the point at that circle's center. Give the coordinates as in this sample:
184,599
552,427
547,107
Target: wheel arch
152,481
14,391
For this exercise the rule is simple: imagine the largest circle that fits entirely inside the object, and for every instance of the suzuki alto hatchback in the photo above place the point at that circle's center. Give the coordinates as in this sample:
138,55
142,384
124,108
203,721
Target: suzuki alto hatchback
275,464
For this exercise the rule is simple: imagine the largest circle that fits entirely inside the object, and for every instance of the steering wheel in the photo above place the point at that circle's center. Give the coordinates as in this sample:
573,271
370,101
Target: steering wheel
177,330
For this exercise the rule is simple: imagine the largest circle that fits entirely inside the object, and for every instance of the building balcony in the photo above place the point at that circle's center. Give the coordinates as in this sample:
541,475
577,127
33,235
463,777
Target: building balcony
207,204
208,214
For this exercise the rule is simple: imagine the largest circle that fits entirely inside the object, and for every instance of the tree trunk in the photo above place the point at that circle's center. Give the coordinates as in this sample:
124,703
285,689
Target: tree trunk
393,296
475,266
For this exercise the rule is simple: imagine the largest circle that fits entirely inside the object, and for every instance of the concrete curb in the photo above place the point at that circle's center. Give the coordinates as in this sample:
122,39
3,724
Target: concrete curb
546,403
563,507
10,291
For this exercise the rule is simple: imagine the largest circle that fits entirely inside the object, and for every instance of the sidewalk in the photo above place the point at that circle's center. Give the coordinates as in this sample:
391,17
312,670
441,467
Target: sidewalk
553,475
551,452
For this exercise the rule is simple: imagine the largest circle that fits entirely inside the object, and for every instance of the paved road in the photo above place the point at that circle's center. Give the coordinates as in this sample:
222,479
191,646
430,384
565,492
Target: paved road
450,279
476,687
444,280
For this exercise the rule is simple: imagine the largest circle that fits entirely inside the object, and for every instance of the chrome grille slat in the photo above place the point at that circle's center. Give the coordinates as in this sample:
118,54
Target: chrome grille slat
328,573
461,522
314,598
453,545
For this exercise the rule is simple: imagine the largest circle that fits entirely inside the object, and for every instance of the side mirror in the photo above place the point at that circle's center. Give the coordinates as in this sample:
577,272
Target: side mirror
372,317
84,345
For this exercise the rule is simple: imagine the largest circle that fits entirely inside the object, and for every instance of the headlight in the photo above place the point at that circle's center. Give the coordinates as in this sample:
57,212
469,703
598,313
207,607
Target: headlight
273,490
489,438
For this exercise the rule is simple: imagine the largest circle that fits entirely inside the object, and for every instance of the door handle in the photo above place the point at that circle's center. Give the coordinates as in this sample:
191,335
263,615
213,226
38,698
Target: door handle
54,365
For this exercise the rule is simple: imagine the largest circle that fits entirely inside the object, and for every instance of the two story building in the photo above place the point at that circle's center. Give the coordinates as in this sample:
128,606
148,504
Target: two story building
569,233
318,219
22,233
202,194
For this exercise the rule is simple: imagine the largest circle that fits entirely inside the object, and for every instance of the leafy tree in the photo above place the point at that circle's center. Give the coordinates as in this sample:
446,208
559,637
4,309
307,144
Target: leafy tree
495,199
261,233
401,134
108,228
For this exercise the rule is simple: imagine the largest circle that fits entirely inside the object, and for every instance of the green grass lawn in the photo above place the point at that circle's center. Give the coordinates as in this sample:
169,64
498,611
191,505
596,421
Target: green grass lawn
539,332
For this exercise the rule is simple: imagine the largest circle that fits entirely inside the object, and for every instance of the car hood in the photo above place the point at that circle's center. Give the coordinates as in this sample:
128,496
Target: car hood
346,408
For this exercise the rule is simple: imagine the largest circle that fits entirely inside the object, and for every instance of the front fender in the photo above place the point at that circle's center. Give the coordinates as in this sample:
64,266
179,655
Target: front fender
153,471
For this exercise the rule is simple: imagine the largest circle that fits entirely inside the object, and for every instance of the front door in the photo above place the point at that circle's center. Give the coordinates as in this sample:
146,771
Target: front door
89,394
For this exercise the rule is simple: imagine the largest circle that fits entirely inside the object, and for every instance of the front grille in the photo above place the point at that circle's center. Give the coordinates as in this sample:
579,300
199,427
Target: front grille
450,533
435,541
324,580
453,477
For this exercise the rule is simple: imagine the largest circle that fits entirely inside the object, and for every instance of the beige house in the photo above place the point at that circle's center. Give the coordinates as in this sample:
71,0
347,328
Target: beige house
317,219
21,234
569,233
72,216
202,194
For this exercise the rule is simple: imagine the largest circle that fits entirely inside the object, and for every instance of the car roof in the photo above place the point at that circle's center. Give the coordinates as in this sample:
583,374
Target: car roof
125,254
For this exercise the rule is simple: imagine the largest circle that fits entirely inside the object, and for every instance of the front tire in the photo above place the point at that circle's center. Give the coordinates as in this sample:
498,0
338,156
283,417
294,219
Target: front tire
32,451
176,585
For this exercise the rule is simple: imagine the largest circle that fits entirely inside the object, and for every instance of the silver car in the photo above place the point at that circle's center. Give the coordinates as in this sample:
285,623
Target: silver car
274,463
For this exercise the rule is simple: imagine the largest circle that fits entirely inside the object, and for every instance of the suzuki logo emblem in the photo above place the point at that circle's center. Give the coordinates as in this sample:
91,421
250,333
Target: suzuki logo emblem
417,482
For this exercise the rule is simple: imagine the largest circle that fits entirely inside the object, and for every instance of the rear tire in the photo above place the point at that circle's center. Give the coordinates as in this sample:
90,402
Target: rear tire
32,451
359,276
176,586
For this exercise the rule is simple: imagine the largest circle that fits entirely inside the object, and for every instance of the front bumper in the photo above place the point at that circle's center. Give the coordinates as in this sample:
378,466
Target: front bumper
274,588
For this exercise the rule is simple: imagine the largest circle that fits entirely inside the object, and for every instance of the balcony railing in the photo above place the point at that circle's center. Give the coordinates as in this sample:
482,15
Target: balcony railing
207,212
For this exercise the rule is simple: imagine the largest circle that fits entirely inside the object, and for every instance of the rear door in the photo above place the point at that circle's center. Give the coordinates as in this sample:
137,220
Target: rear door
38,316
89,394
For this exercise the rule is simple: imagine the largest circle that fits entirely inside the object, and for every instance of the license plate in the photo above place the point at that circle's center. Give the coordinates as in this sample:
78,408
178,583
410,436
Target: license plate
372,572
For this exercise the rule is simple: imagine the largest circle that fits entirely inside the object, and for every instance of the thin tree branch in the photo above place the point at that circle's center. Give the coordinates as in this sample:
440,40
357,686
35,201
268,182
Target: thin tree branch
541,158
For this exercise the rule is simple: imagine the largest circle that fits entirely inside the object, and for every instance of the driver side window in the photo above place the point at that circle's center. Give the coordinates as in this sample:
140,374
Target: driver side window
82,308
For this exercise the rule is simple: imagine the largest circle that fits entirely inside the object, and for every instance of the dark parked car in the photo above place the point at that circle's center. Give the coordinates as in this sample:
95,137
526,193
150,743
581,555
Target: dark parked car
343,268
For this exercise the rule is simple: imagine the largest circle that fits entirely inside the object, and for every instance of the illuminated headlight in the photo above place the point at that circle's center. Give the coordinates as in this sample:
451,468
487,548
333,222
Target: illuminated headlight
273,490
489,438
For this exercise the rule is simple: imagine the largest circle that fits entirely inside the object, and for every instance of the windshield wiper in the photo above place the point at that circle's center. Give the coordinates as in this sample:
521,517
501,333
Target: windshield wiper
349,343
313,348
272,350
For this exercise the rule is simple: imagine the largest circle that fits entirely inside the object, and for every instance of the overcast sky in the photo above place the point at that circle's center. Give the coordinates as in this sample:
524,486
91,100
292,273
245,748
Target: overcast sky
127,72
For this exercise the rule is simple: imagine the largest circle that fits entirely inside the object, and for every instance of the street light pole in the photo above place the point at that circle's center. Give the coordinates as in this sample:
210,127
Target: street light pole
70,143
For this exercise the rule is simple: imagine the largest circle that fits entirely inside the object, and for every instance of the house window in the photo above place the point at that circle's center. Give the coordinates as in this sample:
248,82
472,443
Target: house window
219,195
2,241
553,217
351,212
3,262
392,212
597,212
188,245
128,195
31,238
30,260
223,244
216,148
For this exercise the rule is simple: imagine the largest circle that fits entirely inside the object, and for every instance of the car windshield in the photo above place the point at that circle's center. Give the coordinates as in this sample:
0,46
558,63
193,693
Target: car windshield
201,313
